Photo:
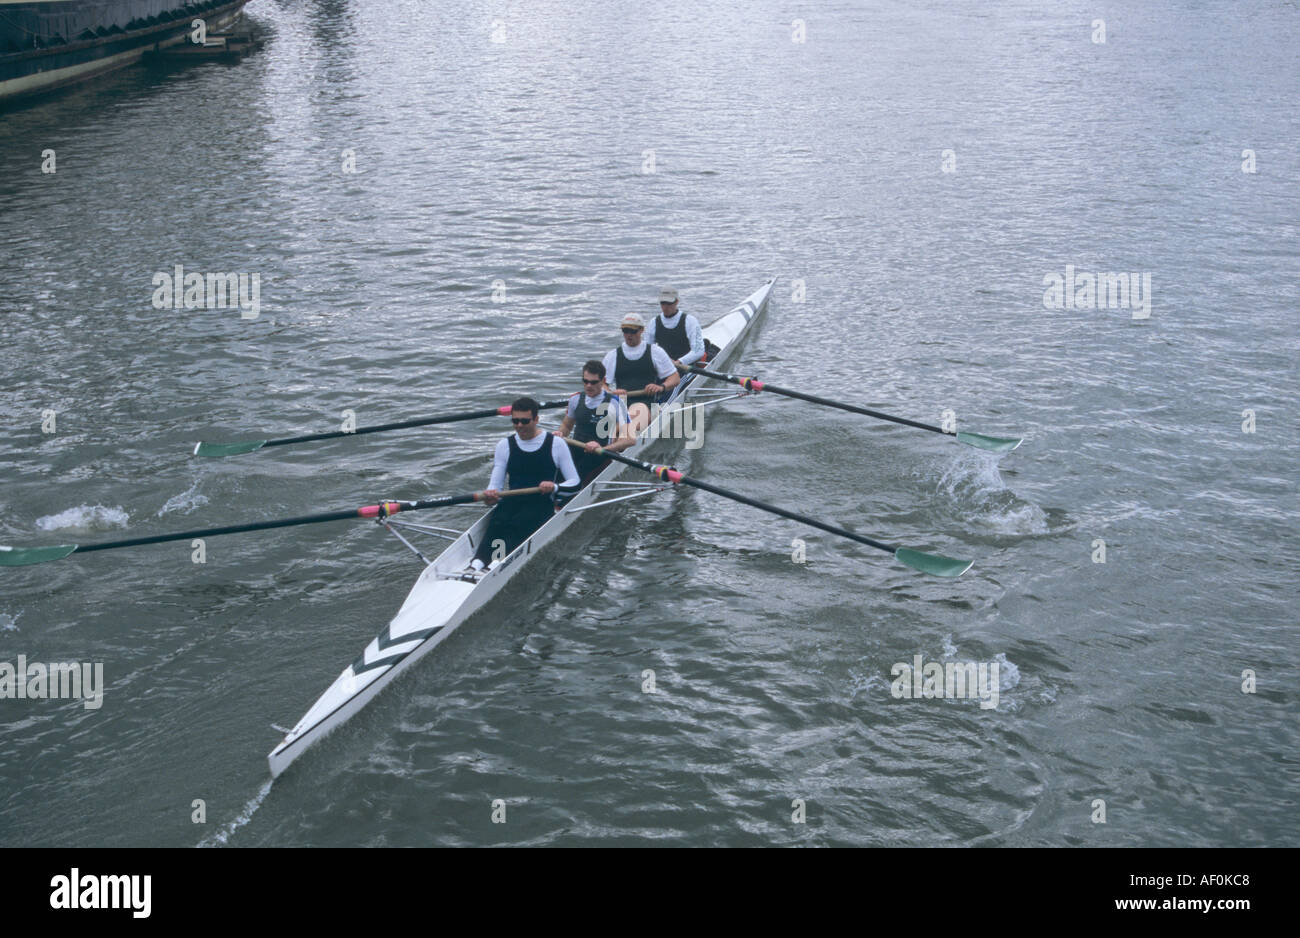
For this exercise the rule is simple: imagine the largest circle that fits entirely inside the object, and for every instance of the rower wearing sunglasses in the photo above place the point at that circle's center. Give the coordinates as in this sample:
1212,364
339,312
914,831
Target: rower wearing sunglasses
597,417
638,366
527,458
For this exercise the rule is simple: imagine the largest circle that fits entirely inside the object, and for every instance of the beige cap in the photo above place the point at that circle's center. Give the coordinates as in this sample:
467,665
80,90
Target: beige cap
633,319
667,295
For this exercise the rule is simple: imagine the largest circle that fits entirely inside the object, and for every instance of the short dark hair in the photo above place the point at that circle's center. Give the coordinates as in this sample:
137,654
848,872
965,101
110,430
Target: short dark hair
526,404
595,367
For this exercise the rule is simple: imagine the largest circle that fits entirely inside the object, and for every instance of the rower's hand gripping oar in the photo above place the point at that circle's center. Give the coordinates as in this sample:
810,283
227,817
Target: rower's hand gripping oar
22,556
249,446
994,444
631,394
935,564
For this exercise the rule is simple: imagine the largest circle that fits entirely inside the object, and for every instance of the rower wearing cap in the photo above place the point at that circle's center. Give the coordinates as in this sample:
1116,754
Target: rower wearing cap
597,417
678,334
528,458
637,365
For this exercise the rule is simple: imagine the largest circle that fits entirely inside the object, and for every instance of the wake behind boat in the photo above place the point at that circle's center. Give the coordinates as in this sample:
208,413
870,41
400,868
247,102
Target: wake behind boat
444,597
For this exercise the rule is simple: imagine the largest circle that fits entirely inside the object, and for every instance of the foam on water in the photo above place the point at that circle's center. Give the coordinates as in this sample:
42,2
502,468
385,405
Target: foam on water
974,482
185,502
1008,673
84,518
870,683
221,836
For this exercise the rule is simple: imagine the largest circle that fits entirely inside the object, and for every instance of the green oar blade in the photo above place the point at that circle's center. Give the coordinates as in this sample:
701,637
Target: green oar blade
217,450
22,556
935,564
994,444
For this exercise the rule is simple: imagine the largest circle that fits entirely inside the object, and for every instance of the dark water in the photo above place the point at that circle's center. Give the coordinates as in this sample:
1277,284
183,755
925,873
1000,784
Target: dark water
522,161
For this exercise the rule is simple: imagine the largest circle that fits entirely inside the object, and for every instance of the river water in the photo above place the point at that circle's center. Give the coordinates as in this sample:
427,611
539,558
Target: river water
914,174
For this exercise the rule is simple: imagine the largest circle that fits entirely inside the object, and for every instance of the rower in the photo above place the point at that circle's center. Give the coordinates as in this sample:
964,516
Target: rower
527,458
597,417
678,334
638,366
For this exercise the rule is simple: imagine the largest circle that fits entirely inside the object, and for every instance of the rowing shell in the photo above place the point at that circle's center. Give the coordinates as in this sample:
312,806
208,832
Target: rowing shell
443,598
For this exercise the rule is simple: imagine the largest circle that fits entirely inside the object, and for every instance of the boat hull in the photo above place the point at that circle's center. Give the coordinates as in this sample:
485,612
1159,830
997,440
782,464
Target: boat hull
438,603
35,71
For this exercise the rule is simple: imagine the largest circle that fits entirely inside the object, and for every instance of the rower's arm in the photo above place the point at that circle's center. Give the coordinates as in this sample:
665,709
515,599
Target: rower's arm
564,462
566,425
570,416
696,335
665,368
624,435
625,438
500,457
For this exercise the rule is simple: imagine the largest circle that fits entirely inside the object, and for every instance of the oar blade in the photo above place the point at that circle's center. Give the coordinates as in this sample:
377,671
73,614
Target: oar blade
24,556
218,450
994,444
933,564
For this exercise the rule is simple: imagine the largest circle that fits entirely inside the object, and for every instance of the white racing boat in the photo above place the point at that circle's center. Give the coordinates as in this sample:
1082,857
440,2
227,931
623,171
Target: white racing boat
444,597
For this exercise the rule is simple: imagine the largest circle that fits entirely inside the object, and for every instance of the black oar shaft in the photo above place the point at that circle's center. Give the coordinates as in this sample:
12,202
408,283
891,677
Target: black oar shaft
784,513
753,384
382,427
381,510
367,511
406,424
672,475
210,532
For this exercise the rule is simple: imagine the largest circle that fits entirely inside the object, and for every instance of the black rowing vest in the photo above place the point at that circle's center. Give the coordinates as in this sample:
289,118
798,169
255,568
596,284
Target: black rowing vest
635,374
587,420
524,469
673,341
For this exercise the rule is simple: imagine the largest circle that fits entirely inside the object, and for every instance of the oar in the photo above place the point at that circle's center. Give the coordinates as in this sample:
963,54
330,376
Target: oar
995,444
249,446
22,556
616,392
936,564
